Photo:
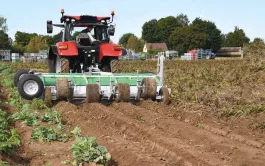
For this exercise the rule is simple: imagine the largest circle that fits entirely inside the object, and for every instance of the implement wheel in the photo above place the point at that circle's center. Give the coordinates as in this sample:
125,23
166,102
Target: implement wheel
122,92
48,97
62,89
30,86
19,74
92,93
165,95
149,88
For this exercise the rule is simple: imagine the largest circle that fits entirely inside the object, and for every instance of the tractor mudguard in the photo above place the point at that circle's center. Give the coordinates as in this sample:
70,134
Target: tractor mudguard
109,49
68,48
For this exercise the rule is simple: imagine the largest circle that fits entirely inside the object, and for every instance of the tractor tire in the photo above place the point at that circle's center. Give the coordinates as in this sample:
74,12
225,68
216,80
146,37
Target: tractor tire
48,97
149,88
114,64
65,65
92,93
165,95
30,86
122,91
62,89
18,75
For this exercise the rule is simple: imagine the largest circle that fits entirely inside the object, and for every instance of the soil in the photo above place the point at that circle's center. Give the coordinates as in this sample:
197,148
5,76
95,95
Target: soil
150,133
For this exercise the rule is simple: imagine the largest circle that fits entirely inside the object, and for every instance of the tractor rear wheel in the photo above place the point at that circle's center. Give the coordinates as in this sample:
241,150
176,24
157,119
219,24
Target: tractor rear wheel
62,89
122,92
92,93
149,88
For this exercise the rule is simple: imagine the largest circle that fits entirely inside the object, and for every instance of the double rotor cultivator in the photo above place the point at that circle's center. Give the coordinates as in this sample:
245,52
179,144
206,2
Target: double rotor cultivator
93,86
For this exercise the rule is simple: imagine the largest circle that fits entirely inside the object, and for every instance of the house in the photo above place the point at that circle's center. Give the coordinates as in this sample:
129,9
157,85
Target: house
155,47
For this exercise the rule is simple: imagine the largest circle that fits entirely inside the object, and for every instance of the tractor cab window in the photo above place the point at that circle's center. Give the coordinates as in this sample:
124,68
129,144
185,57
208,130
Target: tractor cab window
101,33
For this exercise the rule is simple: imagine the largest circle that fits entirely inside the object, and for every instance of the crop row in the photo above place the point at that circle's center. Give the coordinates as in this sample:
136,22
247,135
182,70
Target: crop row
34,114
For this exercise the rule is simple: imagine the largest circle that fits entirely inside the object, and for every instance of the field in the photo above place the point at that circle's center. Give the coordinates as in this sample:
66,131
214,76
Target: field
216,117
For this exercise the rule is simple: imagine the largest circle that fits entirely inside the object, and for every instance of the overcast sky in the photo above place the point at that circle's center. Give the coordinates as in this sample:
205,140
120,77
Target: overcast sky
31,15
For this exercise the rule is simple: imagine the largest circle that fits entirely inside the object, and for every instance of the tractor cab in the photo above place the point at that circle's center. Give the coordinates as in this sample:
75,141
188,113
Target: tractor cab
101,28
90,49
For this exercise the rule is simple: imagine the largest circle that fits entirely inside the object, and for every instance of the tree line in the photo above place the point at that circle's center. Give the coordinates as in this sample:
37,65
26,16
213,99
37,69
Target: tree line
180,34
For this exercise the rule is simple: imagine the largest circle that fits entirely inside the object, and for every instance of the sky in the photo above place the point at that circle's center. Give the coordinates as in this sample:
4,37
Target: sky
31,15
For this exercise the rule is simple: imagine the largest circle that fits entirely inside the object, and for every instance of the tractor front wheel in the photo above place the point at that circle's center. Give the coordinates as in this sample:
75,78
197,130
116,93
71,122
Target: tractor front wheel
111,65
114,63
62,65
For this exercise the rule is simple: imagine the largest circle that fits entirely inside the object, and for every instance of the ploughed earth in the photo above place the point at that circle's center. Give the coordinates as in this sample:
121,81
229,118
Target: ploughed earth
150,134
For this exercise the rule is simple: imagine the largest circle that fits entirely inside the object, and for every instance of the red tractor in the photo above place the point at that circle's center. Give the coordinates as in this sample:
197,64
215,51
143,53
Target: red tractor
92,48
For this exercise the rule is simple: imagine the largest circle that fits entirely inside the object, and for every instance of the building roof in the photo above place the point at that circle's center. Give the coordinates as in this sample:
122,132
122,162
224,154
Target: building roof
156,46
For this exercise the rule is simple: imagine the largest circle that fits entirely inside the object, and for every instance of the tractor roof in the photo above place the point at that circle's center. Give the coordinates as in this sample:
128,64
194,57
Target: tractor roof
85,18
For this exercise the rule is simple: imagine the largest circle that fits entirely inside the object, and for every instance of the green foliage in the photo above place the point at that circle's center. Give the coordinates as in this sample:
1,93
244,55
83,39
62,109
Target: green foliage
165,27
183,19
36,44
4,163
38,104
123,41
86,149
150,32
52,117
9,139
186,38
23,38
153,52
3,24
28,117
214,38
52,40
237,38
4,43
43,133
134,43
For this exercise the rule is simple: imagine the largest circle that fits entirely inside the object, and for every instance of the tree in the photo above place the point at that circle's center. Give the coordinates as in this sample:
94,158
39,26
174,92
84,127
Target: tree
18,48
36,44
186,38
3,24
258,40
4,40
51,40
223,40
134,43
183,19
124,39
214,38
237,38
23,38
166,26
150,31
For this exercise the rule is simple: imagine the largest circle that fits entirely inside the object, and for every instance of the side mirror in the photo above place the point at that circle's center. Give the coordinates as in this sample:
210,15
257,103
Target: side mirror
49,27
111,30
